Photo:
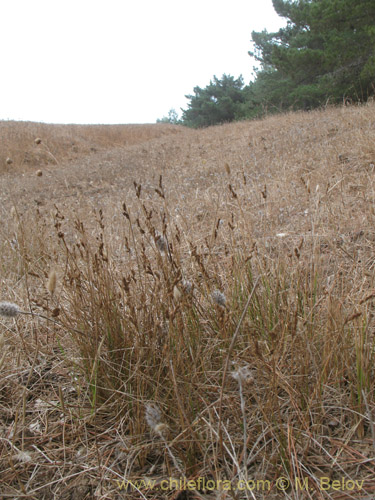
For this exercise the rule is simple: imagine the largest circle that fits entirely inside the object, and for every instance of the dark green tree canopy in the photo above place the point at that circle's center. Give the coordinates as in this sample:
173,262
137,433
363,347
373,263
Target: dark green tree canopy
219,102
327,49
325,53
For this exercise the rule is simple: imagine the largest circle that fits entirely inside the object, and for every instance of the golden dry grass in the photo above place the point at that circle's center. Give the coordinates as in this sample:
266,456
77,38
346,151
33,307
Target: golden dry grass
273,378
29,144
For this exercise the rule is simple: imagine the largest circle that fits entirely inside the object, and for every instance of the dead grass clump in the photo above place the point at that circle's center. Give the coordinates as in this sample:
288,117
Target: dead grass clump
222,331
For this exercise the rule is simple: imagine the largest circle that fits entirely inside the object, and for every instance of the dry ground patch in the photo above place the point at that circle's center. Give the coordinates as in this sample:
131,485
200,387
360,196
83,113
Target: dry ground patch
209,303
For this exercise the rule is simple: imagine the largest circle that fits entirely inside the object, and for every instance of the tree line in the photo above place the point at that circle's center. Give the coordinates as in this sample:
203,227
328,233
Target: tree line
324,54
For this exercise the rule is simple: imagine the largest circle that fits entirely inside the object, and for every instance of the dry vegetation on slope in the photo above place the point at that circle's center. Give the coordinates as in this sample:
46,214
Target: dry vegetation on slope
209,303
22,145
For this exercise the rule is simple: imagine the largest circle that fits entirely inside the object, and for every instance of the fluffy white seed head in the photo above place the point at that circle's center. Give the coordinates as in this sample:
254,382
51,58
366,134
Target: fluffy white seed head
219,298
9,310
161,428
23,457
243,375
186,286
153,418
161,243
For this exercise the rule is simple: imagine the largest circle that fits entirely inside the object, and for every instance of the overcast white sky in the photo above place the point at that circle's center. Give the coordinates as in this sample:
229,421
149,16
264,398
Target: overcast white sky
120,61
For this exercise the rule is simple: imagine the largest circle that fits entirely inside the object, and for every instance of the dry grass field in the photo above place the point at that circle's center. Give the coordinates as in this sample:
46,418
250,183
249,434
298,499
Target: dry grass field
189,314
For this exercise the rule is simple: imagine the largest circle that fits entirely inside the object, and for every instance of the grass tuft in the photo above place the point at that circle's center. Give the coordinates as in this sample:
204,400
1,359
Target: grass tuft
190,306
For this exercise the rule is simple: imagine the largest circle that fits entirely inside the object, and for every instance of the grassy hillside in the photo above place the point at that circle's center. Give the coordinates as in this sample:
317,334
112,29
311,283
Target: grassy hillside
27,144
200,307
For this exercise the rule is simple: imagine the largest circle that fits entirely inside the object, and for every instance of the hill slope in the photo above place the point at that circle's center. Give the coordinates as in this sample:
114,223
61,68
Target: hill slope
213,292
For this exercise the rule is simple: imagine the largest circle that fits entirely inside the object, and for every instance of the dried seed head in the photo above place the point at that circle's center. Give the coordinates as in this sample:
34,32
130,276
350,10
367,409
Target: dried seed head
161,243
14,244
161,429
243,374
55,312
219,298
9,310
153,416
23,456
9,161
39,173
186,286
38,140
176,294
52,280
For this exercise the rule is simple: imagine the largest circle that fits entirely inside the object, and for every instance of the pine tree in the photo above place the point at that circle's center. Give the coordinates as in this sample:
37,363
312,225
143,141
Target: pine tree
219,102
326,51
